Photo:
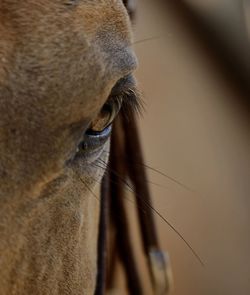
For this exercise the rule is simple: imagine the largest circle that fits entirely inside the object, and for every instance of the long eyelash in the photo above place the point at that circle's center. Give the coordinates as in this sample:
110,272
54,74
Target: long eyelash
132,101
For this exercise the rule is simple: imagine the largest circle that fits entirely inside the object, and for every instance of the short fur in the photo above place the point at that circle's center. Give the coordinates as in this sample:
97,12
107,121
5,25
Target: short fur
58,63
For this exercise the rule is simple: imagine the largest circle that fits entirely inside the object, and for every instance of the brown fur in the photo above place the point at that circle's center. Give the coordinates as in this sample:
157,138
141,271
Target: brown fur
58,62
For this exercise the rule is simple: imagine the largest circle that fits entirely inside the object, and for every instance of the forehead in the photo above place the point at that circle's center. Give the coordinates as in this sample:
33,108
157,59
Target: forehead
91,10
98,24
80,48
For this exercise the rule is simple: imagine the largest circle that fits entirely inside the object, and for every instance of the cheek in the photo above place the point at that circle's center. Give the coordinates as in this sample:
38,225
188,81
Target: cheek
103,160
89,169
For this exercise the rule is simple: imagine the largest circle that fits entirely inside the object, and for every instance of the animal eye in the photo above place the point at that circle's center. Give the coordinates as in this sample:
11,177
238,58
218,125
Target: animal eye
107,115
123,95
100,128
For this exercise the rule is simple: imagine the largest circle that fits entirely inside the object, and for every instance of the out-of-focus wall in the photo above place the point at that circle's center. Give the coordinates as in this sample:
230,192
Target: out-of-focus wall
196,131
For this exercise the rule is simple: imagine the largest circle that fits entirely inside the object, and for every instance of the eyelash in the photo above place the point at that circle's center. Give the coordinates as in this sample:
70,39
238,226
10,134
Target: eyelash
127,102
132,101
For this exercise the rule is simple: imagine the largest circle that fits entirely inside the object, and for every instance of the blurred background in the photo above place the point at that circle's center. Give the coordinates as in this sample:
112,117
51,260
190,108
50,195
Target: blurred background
194,73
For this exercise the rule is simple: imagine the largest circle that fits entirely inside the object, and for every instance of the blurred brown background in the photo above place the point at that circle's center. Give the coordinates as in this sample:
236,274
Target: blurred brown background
196,130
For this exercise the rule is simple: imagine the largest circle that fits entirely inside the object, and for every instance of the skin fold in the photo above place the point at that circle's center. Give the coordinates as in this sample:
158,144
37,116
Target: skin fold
58,63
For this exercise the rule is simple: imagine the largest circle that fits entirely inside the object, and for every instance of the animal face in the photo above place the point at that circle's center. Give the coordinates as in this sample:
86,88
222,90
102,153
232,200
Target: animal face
59,61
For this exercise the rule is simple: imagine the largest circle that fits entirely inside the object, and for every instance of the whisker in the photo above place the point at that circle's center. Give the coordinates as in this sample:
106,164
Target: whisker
164,175
116,174
149,181
148,205
168,177
127,186
124,181
146,40
158,184
173,228
89,189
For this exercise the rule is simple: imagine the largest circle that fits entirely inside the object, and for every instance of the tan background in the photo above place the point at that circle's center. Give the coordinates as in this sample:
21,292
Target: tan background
196,131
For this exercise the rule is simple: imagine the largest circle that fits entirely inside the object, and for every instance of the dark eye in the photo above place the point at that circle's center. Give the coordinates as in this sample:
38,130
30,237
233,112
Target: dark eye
106,115
122,95
100,128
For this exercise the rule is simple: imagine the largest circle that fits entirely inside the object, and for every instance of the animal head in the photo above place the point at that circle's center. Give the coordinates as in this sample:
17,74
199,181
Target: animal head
59,61
63,67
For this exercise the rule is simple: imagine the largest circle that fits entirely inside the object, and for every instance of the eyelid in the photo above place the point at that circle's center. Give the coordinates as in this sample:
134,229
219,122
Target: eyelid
132,101
123,85
126,89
